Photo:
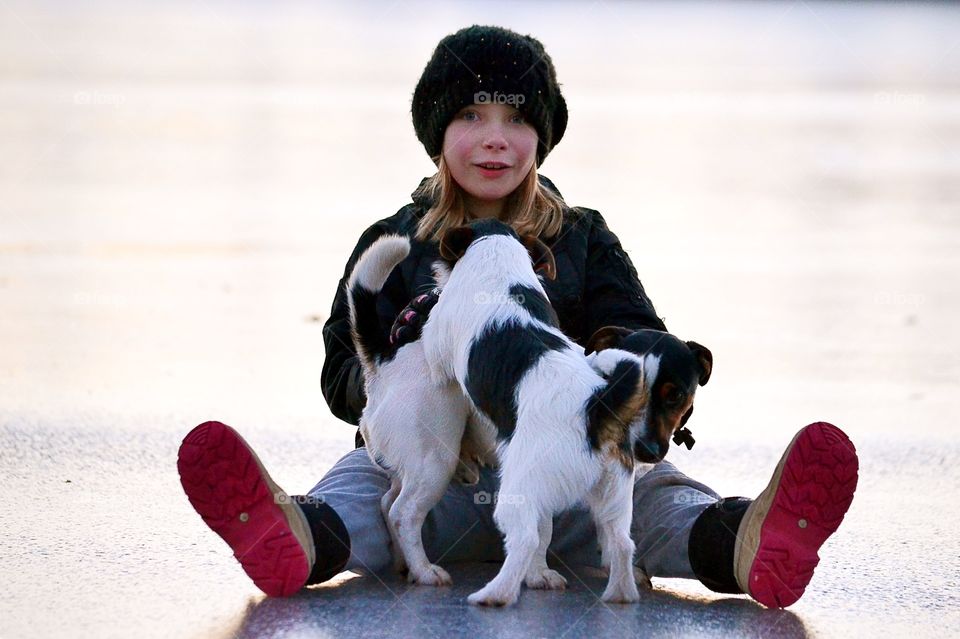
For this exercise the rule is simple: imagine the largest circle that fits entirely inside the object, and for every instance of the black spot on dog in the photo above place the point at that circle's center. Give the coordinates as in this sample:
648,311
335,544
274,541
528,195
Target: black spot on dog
612,406
535,303
498,360
367,333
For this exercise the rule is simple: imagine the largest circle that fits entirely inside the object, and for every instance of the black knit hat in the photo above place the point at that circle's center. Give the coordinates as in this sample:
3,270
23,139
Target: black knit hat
489,64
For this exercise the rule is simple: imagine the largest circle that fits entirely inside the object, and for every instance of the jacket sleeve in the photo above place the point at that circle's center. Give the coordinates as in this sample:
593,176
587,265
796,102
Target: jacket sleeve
613,294
342,376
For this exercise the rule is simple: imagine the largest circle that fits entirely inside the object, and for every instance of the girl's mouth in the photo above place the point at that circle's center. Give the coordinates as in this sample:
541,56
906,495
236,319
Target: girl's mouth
492,169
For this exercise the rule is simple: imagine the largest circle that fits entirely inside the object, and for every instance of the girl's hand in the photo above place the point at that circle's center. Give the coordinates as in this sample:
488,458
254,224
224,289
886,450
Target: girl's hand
406,328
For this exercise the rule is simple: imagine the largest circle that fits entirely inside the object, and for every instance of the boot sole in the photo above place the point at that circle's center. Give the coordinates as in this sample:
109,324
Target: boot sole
803,505
230,489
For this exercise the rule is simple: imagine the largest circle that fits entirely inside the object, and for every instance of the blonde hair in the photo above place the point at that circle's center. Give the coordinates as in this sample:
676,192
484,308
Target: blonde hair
531,209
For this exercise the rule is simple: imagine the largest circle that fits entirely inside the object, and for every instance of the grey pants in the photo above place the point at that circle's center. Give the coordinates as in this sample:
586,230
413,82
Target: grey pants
461,528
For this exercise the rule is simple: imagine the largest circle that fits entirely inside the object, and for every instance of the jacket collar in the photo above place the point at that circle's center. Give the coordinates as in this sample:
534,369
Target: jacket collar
424,202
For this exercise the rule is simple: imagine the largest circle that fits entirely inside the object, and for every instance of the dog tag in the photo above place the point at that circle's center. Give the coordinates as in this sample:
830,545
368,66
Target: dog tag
685,437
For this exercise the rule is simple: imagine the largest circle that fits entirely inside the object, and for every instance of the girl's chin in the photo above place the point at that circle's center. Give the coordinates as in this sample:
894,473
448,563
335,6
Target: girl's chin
485,193
488,198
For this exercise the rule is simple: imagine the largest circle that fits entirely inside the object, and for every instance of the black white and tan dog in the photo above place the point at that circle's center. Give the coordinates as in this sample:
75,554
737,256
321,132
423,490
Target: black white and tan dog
564,431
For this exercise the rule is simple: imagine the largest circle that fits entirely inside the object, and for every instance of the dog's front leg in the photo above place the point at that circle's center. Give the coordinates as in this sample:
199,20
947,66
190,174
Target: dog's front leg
612,503
540,576
520,525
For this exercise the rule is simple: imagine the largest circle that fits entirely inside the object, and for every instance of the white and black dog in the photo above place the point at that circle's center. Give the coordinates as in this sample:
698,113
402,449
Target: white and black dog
564,431
412,426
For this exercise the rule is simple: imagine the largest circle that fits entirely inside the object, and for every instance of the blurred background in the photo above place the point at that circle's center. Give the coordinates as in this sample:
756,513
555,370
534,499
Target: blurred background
181,184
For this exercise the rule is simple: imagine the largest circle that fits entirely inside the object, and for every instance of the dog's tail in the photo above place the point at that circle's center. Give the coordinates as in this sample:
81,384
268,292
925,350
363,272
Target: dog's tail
614,406
365,283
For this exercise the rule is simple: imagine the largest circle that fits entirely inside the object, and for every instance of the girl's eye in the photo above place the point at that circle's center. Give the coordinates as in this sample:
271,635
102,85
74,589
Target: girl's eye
518,119
470,116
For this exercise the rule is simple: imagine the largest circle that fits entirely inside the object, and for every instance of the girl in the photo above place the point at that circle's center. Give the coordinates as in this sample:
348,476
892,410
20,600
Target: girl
488,109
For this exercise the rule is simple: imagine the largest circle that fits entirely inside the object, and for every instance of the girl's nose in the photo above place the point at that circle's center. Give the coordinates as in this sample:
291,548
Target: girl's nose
494,140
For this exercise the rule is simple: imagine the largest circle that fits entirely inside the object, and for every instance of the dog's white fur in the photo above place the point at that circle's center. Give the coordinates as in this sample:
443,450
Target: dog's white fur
411,425
548,464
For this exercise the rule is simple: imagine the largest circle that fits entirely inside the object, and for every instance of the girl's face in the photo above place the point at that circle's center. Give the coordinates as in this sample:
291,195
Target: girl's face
489,149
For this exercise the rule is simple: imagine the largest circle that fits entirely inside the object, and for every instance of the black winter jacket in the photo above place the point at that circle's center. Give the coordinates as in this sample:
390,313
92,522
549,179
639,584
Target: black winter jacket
596,286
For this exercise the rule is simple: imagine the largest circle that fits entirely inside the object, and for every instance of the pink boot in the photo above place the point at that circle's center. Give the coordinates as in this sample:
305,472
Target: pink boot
269,533
768,548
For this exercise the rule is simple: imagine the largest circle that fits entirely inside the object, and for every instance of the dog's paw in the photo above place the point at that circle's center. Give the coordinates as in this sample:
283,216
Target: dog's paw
641,578
493,598
433,576
626,594
545,579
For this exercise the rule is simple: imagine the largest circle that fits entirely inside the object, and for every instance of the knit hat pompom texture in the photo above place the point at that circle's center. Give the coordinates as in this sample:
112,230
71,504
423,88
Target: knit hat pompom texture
489,64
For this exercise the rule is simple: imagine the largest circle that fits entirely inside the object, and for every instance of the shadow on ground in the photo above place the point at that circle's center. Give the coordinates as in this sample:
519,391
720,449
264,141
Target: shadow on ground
365,606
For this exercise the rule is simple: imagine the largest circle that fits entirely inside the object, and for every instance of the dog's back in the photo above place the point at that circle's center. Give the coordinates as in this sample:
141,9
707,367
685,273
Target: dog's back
512,357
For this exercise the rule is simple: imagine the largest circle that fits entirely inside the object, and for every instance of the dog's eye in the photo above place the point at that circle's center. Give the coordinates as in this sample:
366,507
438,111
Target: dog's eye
672,395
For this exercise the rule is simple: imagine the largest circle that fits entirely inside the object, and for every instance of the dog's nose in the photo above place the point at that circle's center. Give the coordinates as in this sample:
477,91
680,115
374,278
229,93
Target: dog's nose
648,452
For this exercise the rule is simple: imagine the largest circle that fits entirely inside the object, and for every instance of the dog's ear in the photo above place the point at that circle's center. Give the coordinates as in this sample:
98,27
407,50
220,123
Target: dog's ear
705,358
606,337
542,257
454,243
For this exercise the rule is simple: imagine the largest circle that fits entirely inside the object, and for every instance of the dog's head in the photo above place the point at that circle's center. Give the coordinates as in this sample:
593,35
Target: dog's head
456,241
683,367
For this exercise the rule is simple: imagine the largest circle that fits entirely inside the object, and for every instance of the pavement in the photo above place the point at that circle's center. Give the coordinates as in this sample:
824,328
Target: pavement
101,542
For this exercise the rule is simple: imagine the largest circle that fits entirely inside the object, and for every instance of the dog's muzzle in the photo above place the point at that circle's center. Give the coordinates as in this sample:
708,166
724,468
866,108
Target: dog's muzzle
649,452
